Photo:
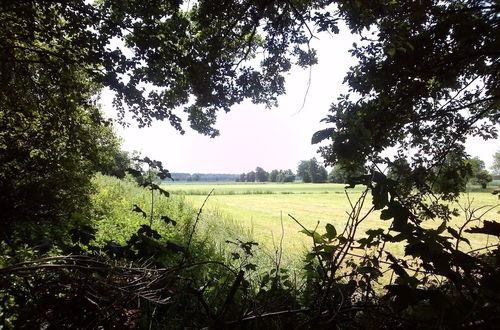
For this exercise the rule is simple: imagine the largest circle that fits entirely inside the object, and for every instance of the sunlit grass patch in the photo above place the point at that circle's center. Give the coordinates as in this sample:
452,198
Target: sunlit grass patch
262,213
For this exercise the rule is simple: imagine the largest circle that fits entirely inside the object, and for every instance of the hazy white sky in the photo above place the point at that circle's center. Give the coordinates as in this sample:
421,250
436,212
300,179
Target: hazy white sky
252,135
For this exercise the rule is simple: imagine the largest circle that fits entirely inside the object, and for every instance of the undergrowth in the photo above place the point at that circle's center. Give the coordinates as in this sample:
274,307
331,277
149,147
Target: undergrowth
149,260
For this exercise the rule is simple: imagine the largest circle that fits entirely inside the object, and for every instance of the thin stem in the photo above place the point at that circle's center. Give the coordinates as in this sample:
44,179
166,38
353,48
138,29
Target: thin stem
197,219
314,243
152,196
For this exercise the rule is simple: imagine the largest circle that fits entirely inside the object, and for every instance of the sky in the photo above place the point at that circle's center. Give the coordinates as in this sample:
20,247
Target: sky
251,135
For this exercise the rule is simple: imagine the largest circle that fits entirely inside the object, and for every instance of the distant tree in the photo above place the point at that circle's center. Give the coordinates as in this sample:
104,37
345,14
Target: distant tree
448,179
288,176
180,176
496,163
243,177
478,173
321,175
475,164
273,175
281,176
311,171
251,176
341,175
303,171
206,177
336,175
483,177
261,175
117,164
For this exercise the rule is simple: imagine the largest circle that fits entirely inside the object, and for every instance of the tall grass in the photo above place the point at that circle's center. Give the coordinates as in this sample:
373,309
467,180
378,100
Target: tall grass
114,200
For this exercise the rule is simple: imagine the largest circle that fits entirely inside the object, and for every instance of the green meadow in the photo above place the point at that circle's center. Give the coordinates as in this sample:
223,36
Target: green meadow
262,210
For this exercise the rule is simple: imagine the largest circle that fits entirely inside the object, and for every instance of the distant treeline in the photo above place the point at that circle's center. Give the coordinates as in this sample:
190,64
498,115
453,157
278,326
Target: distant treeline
260,175
205,177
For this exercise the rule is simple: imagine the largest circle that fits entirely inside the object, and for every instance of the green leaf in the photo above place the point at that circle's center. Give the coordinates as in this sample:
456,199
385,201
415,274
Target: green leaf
329,248
489,228
369,270
331,232
380,196
139,210
457,236
134,172
165,174
314,235
386,214
318,238
441,227
400,215
168,220
322,135
374,232
164,192
309,257
175,247
307,232
265,280
250,267
391,51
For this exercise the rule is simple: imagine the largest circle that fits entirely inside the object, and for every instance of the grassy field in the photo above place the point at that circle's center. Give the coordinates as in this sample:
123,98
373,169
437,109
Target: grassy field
263,208
252,188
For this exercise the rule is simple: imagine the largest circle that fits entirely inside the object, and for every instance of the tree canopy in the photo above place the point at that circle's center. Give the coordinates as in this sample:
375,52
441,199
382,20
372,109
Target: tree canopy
337,175
206,56
261,175
311,171
421,64
190,55
427,78
478,173
53,135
